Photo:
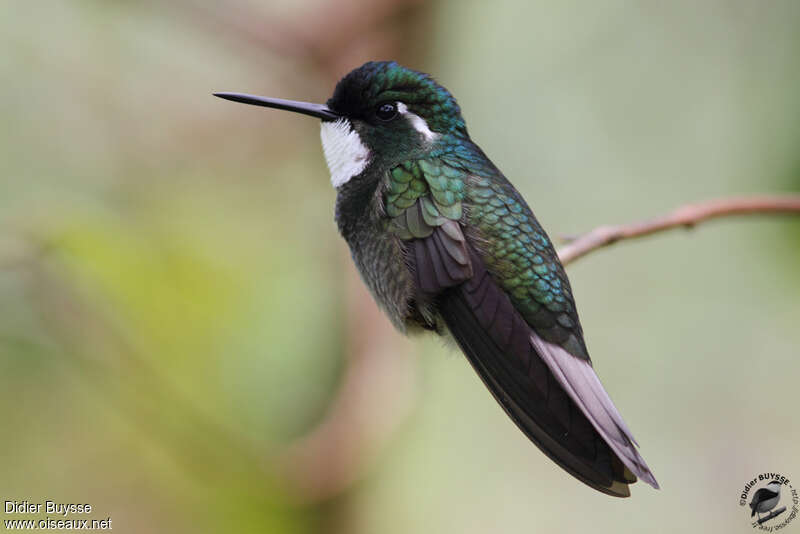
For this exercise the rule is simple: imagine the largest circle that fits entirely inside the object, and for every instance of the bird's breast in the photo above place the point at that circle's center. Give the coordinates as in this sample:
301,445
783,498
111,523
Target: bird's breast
379,258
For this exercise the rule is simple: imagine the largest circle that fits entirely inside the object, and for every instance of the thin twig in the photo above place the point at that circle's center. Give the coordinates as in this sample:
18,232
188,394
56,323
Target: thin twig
772,514
686,216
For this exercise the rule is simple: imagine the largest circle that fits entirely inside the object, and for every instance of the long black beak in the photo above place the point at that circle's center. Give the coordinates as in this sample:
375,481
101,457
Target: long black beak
306,108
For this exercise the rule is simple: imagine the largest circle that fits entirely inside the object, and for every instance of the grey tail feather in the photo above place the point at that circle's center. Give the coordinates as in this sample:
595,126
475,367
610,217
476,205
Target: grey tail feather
581,383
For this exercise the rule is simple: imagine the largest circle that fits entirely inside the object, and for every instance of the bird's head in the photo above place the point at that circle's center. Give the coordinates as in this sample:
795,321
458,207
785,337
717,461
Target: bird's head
380,114
774,485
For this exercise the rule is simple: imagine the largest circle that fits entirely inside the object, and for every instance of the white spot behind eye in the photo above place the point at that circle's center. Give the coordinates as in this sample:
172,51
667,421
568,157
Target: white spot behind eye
417,122
345,154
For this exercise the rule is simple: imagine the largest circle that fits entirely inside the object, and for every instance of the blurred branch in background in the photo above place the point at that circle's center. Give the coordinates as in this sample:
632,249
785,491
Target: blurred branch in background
333,36
375,396
376,389
686,216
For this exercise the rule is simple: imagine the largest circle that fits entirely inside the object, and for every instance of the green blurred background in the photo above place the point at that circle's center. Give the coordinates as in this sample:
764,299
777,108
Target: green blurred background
185,345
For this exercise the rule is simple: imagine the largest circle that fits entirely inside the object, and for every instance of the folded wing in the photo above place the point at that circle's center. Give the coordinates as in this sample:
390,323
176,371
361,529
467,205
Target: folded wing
555,398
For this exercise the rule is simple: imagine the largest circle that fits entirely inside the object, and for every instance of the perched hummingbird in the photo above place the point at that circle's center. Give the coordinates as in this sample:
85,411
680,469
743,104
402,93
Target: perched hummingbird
445,243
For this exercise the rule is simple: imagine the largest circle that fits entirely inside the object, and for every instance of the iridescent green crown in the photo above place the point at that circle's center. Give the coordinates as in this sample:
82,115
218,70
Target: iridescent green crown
377,82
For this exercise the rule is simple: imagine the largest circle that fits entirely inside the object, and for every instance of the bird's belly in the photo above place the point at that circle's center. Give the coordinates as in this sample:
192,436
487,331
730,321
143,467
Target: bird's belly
380,261
769,504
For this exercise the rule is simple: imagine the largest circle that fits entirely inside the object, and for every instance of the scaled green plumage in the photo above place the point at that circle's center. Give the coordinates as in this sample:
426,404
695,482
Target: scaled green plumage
421,194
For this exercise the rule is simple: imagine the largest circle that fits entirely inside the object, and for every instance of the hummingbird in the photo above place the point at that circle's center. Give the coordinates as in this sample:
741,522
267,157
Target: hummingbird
446,244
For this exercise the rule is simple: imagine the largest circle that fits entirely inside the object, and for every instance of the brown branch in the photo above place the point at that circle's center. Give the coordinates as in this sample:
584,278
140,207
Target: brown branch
686,216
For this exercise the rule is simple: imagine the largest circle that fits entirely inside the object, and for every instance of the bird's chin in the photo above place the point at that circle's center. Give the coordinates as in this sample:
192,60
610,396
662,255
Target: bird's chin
345,153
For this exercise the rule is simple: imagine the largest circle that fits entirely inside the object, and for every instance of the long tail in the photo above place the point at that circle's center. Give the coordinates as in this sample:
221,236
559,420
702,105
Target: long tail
554,397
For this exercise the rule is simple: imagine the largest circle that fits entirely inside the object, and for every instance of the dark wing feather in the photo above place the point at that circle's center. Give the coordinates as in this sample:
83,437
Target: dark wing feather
762,494
552,396
440,260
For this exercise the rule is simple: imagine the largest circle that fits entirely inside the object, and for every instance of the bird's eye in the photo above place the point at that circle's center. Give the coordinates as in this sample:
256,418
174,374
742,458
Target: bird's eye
386,112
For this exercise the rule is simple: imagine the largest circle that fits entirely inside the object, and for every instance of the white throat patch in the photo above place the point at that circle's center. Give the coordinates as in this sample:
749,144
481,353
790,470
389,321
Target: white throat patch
344,152
417,122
